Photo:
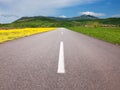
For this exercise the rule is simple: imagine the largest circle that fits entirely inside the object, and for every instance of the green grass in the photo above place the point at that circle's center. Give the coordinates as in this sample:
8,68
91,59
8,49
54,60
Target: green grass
111,35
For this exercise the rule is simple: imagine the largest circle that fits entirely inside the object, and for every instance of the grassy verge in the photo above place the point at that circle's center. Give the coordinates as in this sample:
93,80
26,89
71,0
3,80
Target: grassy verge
11,34
111,35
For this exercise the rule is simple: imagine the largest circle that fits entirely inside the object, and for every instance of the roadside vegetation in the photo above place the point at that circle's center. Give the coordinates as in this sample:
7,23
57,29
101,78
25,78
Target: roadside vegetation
105,29
108,34
39,21
11,34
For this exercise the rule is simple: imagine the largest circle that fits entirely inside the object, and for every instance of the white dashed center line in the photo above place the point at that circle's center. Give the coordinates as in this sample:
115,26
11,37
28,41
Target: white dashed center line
61,66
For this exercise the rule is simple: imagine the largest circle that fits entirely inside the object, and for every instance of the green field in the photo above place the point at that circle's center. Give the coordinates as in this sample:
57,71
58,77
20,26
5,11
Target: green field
111,35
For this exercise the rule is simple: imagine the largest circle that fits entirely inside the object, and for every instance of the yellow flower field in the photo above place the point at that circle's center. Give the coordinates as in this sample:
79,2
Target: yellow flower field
6,35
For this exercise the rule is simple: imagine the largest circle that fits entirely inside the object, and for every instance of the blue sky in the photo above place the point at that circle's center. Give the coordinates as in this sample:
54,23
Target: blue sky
11,10
108,7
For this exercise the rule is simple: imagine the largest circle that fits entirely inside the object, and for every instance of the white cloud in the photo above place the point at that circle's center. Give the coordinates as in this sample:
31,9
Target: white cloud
4,18
63,16
37,7
117,15
92,13
2,15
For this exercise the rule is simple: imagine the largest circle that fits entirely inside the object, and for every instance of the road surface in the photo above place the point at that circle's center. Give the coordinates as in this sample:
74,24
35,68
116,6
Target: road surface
59,60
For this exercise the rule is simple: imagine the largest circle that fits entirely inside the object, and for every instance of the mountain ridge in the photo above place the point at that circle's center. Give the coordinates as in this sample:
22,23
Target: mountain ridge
82,17
46,21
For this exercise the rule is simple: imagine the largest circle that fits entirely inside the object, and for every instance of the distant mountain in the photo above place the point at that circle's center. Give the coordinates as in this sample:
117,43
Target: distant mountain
85,17
35,18
43,21
43,18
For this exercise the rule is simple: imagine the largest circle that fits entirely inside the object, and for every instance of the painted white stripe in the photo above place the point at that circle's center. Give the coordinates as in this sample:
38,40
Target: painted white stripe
61,66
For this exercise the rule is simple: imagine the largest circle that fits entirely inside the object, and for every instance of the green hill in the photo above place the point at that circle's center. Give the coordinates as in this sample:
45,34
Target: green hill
42,21
85,17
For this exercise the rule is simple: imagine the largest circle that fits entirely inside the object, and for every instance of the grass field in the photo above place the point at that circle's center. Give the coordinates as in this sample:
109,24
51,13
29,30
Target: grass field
11,34
111,35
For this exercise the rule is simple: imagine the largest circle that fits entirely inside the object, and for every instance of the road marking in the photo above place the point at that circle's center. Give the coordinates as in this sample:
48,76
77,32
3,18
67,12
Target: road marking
61,66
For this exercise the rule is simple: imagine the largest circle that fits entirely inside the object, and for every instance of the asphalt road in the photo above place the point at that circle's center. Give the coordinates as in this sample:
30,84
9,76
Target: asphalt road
31,63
